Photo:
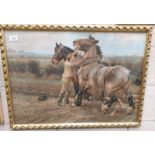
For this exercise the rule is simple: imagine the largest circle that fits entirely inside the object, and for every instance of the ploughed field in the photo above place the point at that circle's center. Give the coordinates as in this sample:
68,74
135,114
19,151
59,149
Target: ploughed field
28,86
28,109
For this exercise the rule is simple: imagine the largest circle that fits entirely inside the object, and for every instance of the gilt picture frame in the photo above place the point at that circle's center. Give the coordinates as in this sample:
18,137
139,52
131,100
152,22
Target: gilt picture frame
75,76
1,107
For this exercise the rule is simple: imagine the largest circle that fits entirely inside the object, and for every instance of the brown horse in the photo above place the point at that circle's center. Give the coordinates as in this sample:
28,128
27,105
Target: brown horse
104,81
69,76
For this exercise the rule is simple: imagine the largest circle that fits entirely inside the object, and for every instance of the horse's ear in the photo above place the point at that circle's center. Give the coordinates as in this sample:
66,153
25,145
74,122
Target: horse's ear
57,44
73,42
96,41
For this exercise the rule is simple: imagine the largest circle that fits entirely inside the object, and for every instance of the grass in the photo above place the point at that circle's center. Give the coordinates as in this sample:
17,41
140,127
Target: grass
27,87
28,109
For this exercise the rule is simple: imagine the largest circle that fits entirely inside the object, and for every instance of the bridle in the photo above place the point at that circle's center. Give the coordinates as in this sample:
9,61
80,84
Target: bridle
59,53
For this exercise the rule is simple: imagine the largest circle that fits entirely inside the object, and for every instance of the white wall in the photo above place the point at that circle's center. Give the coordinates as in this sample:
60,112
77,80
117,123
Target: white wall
148,119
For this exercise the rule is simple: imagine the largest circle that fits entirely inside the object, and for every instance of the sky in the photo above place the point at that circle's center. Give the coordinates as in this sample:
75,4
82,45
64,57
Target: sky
111,43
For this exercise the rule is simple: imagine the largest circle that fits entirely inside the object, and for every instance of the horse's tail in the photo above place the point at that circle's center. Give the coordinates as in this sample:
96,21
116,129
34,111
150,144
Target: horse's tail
137,80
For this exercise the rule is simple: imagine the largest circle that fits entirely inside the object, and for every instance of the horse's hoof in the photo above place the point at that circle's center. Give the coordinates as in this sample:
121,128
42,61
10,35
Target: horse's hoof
73,104
77,102
124,108
112,114
60,104
130,110
104,108
65,102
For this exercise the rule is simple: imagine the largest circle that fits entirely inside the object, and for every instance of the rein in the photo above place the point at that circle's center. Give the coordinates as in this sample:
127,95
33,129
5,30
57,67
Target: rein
88,62
60,54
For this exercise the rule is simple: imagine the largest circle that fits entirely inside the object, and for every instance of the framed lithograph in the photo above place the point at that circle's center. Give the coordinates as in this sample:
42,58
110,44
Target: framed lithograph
74,76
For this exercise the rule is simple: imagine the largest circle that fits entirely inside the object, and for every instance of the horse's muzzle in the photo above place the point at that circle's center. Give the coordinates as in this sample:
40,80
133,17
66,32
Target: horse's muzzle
54,61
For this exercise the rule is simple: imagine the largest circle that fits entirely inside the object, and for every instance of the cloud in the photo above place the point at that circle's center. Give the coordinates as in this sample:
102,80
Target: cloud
112,43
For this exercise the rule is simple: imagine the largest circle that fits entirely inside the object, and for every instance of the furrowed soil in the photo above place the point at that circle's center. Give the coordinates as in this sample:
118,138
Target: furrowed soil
28,109
27,88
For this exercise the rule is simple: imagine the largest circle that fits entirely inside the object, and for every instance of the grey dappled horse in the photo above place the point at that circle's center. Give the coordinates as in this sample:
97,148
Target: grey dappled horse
106,81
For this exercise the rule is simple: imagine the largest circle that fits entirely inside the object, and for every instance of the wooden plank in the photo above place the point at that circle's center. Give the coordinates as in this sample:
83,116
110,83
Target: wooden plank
153,38
153,30
5,127
1,73
145,126
149,106
1,111
151,69
4,104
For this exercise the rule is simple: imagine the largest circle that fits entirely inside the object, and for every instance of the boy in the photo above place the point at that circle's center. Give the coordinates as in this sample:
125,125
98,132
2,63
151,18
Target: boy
69,77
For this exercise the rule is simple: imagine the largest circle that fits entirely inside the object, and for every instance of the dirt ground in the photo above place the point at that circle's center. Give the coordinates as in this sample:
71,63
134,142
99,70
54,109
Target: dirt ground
28,109
27,88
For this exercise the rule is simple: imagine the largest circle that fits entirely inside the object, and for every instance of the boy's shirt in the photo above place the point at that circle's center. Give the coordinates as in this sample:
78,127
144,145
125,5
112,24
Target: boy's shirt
69,69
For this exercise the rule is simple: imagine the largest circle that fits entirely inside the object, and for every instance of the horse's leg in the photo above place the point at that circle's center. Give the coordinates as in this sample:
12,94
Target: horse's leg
82,85
76,88
87,94
78,100
121,103
115,110
131,103
106,100
92,85
101,95
130,100
113,99
108,97
66,98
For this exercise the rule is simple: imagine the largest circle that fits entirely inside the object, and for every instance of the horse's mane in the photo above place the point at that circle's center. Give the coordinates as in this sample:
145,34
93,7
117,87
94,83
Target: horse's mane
85,48
99,51
91,37
69,49
104,63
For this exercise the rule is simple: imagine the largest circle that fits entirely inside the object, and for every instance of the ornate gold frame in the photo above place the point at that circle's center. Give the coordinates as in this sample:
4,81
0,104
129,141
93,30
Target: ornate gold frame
92,28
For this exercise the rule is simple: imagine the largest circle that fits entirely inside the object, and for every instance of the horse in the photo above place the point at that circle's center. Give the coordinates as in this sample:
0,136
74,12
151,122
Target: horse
65,53
105,81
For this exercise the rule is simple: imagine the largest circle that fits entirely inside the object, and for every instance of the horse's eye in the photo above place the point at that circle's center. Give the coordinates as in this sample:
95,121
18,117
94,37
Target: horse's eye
56,49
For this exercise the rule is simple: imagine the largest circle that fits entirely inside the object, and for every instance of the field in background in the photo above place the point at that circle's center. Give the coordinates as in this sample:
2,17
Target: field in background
32,77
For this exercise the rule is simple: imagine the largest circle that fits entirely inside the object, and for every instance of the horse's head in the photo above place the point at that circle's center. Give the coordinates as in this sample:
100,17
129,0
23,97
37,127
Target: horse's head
58,56
84,44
